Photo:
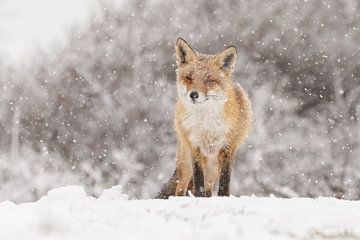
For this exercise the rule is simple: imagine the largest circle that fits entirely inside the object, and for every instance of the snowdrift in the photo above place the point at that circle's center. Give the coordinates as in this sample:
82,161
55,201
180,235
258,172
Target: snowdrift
68,213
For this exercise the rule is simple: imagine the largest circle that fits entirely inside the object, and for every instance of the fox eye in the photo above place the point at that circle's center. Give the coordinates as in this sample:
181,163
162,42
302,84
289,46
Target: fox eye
189,78
211,81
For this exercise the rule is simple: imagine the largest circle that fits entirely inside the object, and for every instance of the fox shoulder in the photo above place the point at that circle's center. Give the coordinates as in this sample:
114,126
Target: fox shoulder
238,114
245,108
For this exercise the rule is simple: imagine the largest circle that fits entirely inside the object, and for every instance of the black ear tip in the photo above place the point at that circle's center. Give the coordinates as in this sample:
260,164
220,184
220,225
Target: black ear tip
180,39
232,46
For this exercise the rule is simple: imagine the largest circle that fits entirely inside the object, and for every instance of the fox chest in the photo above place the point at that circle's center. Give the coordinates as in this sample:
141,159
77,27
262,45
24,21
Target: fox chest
206,127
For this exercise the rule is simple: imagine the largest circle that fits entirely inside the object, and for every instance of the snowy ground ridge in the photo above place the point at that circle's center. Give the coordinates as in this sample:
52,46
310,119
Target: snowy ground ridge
68,213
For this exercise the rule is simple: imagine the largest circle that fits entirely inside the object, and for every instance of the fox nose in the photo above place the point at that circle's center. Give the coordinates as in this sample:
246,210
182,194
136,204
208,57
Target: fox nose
194,95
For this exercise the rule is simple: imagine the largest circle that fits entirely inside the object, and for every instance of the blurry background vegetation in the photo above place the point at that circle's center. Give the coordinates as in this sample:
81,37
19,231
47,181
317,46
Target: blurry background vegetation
99,111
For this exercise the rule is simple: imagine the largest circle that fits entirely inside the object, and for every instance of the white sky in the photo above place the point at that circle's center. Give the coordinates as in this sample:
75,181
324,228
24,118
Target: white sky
26,24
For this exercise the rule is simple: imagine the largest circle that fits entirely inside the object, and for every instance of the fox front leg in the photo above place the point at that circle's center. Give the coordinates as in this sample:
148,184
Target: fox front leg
183,178
184,169
198,179
198,173
226,159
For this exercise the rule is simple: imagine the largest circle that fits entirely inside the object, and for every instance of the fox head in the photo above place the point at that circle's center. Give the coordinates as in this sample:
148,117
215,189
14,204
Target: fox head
201,77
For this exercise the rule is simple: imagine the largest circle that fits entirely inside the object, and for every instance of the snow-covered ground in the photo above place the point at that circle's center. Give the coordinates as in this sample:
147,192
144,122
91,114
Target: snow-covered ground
68,213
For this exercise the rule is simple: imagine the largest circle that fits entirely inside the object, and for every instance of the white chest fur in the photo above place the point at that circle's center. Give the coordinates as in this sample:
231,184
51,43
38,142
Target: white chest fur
206,126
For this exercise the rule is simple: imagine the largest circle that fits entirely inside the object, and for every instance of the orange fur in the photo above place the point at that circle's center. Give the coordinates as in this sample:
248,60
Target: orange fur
211,127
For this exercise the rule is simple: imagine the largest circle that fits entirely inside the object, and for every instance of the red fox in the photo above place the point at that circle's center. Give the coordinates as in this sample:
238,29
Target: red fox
213,117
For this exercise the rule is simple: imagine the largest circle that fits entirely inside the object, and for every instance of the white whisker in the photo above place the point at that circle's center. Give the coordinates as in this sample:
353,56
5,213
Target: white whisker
215,96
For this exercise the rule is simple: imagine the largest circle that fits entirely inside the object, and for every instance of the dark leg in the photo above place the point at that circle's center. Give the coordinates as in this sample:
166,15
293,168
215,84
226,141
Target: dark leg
224,182
168,189
198,180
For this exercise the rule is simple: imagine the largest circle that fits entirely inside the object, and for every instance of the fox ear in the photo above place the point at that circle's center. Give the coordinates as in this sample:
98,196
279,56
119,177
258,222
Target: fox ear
184,53
227,58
